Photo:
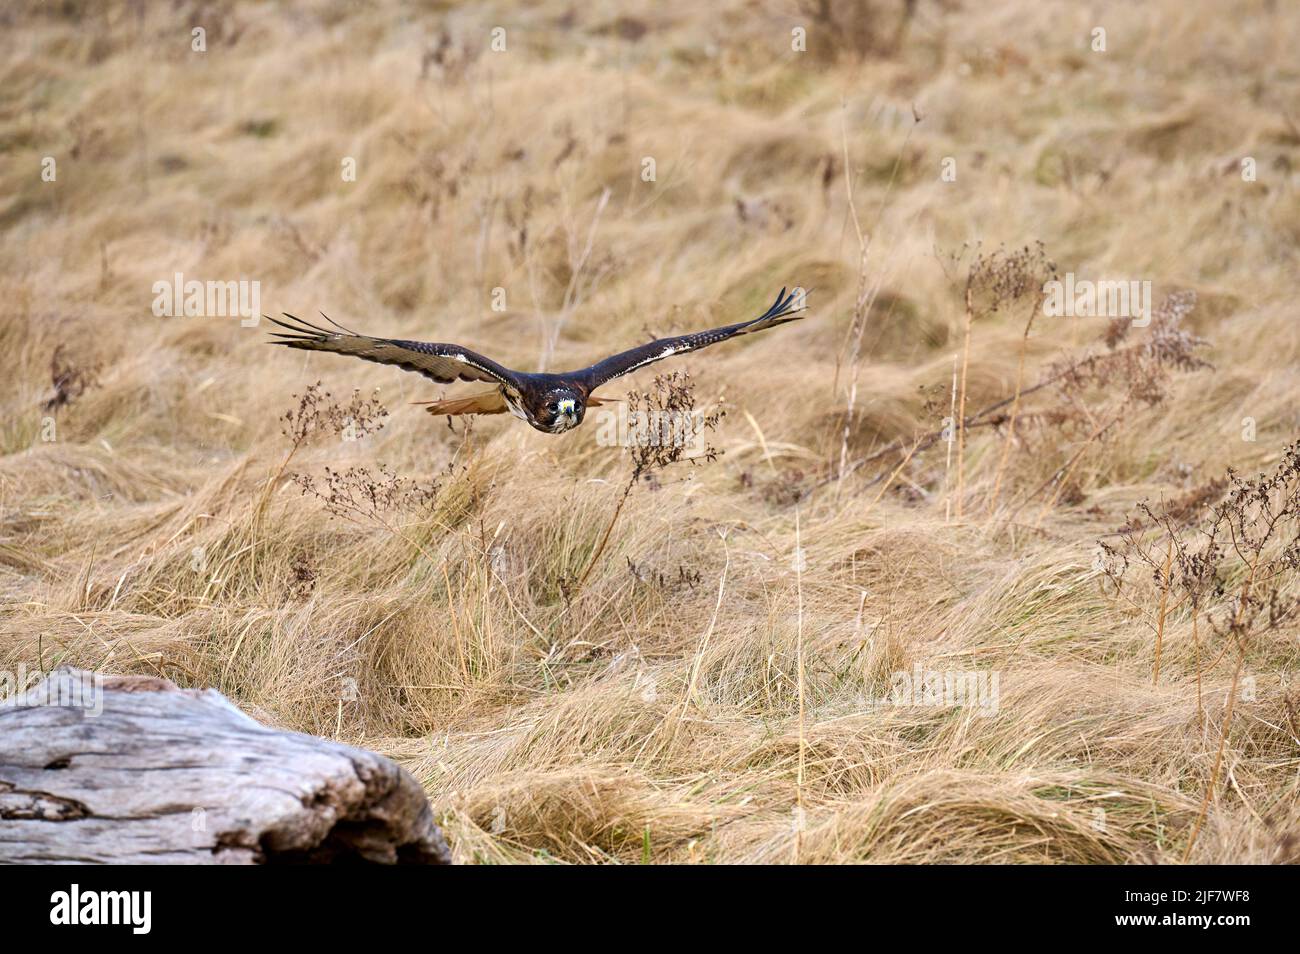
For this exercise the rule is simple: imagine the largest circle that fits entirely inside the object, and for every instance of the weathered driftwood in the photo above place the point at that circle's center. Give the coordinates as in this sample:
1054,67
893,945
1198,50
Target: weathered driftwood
132,769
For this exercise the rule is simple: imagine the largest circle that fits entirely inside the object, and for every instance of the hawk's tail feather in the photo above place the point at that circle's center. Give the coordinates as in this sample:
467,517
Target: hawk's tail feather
487,402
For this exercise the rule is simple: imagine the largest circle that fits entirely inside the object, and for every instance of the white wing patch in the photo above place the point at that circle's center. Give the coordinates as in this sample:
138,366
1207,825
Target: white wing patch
667,352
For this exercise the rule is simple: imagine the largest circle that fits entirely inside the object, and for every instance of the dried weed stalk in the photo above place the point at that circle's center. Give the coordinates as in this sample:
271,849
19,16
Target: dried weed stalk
318,412
362,494
1090,393
664,427
356,493
996,282
1228,558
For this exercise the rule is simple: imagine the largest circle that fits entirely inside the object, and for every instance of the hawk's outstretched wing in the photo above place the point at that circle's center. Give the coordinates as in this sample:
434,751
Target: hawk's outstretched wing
443,363
782,310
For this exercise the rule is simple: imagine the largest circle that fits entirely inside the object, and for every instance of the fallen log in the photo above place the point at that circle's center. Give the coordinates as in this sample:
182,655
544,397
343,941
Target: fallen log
134,770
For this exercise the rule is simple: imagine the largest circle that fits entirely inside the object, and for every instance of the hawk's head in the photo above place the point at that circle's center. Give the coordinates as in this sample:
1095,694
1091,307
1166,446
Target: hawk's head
556,410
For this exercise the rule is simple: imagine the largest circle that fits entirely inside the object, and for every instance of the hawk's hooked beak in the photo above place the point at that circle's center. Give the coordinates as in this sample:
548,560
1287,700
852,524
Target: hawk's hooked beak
567,406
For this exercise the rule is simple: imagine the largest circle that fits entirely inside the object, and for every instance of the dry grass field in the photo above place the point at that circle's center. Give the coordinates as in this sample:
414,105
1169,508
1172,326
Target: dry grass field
915,479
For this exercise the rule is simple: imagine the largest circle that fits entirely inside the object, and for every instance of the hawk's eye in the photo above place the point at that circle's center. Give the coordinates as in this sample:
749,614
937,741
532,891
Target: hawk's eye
553,407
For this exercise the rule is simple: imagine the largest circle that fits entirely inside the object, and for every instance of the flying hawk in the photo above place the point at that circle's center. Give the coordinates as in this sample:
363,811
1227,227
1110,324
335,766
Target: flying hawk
553,403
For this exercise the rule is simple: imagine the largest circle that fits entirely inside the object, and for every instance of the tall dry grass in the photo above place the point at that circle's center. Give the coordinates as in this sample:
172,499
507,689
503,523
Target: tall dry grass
707,694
